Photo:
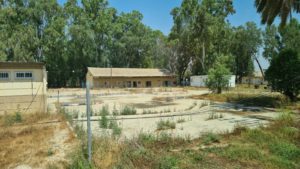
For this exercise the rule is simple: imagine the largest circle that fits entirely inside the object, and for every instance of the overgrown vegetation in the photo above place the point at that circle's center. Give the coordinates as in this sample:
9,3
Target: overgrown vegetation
248,99
127,110
283,73
274,147
214,115
165,125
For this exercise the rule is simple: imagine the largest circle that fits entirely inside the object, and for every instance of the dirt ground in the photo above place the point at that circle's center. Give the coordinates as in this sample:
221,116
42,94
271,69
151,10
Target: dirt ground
159,104
35,145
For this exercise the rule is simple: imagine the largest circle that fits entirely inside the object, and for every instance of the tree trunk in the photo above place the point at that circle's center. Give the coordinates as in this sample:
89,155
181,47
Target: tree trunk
219,90
203,57
261,70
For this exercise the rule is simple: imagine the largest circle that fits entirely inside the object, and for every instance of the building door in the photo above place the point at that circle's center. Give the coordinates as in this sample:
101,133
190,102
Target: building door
148,83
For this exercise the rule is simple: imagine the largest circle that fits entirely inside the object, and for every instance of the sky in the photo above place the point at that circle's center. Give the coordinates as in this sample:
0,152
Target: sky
157,14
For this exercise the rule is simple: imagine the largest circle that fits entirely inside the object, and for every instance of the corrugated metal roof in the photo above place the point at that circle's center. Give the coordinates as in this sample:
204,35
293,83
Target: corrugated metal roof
128,72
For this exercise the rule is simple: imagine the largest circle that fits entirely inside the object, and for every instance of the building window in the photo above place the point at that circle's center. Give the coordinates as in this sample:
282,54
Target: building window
148,83
4,75
23,75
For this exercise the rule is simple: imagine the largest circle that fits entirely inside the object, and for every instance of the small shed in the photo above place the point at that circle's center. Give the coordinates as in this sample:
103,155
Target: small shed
200,81
23,87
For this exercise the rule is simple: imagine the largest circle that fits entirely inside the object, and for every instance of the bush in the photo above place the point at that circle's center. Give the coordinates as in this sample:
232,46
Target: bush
181,120
164,125
285,150
104,110
168,162
12,119
103,123
210,138
218,78
128,111
116,130
18,117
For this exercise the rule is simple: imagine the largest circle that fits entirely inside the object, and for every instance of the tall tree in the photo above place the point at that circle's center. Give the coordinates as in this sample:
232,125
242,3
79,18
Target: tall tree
245,46
195,31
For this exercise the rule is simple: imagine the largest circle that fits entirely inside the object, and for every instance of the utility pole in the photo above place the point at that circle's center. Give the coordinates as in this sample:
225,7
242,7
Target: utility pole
89,132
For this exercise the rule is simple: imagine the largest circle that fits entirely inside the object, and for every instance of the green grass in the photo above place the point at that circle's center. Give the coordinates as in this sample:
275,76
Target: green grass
209,138
165,125
127,110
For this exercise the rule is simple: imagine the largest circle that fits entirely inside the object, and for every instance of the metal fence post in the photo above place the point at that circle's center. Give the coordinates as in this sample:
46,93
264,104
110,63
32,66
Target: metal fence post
89,132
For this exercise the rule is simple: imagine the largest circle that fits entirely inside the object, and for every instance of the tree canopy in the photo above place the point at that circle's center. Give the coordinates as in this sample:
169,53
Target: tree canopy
71,37
283,73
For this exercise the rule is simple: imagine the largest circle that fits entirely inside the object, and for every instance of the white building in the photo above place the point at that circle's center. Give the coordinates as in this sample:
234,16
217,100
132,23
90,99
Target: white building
200,81
23,87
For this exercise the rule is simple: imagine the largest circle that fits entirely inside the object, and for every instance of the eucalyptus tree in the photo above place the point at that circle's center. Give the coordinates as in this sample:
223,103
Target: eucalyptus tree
197,29
245,47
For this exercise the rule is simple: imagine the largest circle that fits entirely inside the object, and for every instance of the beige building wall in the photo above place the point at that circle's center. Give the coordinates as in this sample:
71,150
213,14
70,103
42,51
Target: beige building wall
23,95
121,82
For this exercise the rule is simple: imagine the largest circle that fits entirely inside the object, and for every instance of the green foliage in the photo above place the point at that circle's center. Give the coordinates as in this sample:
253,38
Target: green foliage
218,78
168,162
79,161
18,117
71,37
286,79
12,119
242,153
103,122
209,138
271,9
127,110
200,33
285,150
245,46
116,130
104,110
165,125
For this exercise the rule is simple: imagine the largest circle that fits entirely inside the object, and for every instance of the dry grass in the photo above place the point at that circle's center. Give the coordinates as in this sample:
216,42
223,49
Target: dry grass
31,143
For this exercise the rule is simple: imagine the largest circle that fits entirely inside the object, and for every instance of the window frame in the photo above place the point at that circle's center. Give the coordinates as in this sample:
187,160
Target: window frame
24,77
5,79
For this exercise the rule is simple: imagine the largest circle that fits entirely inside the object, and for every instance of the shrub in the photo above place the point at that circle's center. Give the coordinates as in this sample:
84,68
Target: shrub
285,150
181,120
104,110
128,111
116,130
164,125
79,161
103,123
145,138
18,117
209,138
168,162
218,78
